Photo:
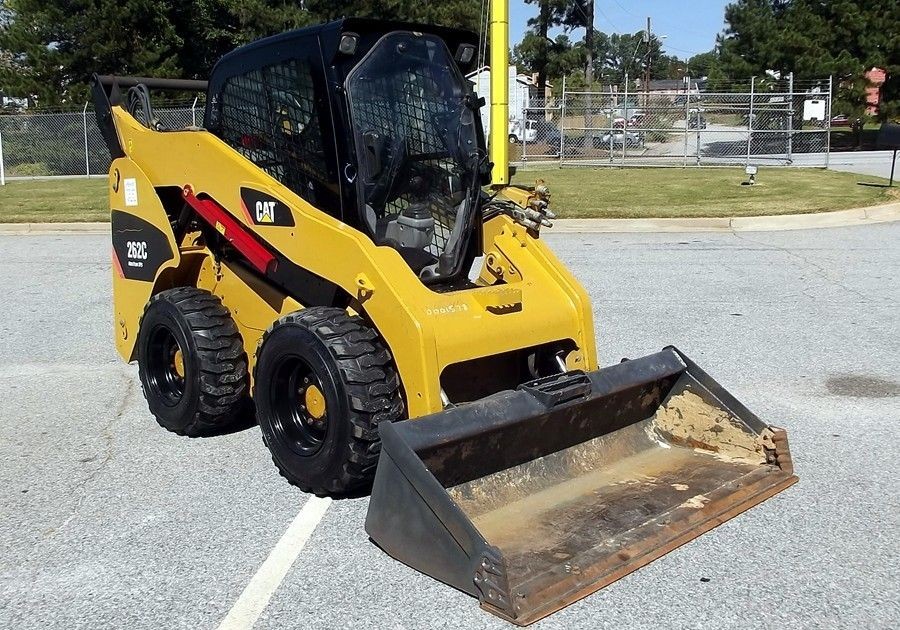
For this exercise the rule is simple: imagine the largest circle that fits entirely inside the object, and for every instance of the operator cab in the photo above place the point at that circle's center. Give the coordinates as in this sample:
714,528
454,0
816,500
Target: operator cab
373,123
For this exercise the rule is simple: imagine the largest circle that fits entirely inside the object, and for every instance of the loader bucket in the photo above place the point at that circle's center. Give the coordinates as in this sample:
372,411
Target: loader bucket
532,499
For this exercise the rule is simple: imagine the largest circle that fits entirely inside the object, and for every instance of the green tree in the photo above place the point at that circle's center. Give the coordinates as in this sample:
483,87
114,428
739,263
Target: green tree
50,48
814,39
703,65
458,13
580,14
210,28
54,46
626,54
538,52
668,67
553,58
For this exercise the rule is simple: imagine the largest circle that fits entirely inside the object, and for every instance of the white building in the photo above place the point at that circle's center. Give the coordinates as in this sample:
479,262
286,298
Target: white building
522,95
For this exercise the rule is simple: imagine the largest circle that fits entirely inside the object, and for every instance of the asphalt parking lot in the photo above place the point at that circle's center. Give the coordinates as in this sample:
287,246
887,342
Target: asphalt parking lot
107,520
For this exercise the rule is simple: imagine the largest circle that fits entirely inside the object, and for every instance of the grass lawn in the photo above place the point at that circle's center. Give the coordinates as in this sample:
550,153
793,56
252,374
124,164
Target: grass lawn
577,192
54,201
614,193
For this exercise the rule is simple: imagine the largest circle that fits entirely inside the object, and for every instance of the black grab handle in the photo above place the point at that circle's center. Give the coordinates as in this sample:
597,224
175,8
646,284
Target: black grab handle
559,388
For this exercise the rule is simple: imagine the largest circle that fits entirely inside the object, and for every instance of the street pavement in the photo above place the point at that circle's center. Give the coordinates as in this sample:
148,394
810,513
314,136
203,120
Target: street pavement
876,163
107,520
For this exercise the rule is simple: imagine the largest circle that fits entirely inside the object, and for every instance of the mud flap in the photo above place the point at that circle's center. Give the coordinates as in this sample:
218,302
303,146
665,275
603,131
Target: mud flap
532,499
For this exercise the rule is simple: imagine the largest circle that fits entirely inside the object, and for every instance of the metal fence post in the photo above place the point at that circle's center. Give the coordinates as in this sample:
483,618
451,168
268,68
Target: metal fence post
194,112
687,122
828,121
87,158
523,127
790,121
614,107
562,124
750,119
625,127
2,168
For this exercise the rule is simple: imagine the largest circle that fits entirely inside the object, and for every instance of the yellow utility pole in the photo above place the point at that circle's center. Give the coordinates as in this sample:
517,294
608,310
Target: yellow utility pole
499,137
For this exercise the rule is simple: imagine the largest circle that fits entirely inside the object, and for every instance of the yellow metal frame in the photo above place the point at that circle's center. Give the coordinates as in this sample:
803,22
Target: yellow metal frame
525,297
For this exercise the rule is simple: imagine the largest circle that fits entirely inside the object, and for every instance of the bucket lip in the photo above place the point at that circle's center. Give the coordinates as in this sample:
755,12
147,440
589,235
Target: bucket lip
725,503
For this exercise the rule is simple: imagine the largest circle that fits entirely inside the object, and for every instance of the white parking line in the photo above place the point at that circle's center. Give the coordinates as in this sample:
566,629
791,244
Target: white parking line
268,577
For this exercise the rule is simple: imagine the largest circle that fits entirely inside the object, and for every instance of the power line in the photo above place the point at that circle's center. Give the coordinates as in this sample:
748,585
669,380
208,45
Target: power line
482,44
598,8
690,52
619,4
666,21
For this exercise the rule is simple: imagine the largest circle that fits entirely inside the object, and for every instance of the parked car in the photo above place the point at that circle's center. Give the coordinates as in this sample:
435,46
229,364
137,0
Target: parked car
841,120
618,138
696,120
553,138
574,144
545,130
637,120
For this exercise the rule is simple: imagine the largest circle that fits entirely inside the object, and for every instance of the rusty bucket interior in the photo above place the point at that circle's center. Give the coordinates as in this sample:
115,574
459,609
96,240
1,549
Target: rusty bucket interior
533,499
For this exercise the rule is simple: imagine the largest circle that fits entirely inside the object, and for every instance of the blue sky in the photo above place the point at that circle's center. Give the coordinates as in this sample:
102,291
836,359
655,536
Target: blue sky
691,26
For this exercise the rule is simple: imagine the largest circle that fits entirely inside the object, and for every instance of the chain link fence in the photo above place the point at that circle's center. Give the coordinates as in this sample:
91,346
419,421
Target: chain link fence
70,143
756,122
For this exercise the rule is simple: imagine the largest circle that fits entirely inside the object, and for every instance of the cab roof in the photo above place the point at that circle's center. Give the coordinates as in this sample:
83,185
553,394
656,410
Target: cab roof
276,47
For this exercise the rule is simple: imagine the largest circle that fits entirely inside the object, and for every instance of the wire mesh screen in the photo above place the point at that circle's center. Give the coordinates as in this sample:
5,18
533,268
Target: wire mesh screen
416,138
70,143
175,118
270,117
535,133
45,144
770,122
775,122
406,105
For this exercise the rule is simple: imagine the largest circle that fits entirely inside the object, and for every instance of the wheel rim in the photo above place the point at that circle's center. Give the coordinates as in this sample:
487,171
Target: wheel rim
166,369
299,411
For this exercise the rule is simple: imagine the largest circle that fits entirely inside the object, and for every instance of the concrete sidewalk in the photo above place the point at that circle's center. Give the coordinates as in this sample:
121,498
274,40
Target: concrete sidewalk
773,223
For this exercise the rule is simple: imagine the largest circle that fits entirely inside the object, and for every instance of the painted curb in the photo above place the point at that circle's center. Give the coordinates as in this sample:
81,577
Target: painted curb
54,228
840,218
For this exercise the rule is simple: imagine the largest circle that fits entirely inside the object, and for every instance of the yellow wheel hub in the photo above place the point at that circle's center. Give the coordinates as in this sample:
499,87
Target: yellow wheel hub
179,363
314,400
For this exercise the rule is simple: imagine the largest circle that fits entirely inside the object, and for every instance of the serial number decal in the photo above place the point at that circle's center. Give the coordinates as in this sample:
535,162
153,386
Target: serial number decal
449,309
131,194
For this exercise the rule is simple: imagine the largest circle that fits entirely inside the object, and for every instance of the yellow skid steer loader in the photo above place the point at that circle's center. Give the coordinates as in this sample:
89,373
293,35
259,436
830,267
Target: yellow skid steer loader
325,252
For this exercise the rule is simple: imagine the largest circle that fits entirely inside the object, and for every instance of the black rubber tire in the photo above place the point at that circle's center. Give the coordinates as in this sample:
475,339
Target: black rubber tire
214,387
355,372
